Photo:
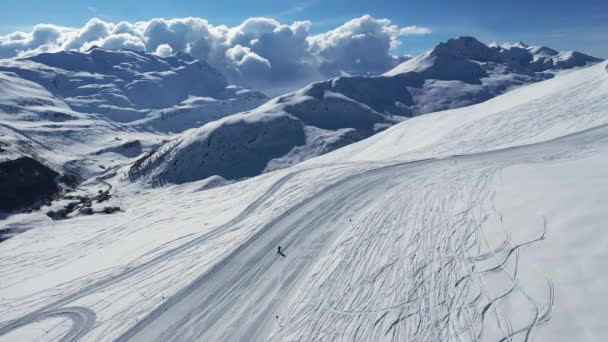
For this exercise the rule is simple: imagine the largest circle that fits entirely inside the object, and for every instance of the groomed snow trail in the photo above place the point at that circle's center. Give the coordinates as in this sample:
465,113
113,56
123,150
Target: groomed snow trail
255,275
412,261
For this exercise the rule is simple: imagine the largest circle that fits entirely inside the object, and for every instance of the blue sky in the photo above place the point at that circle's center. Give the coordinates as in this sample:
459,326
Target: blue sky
564,25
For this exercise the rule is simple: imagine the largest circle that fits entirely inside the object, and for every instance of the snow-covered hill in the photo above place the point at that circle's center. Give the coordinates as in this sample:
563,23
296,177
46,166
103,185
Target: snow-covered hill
473,224
278,134
328,115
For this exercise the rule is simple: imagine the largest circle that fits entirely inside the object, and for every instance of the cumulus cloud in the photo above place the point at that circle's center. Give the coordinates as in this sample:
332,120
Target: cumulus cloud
95,29
164,50
247,65
360,46
273,53
181,34
117,41
260,53
43,38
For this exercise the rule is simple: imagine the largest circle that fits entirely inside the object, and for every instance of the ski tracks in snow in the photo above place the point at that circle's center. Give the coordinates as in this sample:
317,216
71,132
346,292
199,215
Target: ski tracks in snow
82,319
417,266
398,253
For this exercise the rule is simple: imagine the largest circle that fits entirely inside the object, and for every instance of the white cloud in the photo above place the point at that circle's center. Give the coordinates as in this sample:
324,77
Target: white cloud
414,30
260,53
94,29
360,46
43,38
247,65
117,41
164,50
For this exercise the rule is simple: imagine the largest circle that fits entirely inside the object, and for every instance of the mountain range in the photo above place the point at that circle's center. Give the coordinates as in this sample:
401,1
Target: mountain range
327,115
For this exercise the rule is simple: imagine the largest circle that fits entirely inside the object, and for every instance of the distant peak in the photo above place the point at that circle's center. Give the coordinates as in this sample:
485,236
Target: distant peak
521,44
518,45
94,47
462,42
465,47
467,38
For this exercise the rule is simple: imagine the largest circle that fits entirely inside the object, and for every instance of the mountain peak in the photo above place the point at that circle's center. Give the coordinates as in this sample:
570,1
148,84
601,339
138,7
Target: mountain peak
94,47
462,55
465,47
519,45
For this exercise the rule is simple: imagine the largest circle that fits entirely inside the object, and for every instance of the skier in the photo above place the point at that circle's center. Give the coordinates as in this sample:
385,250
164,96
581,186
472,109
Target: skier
279,252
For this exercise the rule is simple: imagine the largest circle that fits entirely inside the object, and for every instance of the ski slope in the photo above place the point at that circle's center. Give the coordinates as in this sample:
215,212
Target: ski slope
479,224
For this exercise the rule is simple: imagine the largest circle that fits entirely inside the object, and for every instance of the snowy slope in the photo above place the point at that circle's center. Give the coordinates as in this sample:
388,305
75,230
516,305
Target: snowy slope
479,223
328,115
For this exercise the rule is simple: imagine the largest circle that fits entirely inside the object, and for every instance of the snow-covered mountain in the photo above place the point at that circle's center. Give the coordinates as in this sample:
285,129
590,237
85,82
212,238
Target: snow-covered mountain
81,115
327,115
31,165
280,133
464,71
483,223
136,87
